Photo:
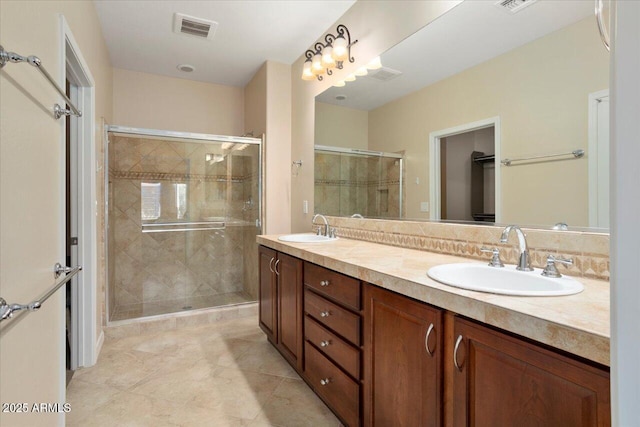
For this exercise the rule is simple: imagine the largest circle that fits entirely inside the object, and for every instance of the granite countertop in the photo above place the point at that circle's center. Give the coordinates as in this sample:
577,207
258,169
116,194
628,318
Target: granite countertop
578,324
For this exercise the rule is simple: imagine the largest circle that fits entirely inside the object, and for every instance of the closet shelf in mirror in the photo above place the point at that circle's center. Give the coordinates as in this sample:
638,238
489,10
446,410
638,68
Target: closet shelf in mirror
485,159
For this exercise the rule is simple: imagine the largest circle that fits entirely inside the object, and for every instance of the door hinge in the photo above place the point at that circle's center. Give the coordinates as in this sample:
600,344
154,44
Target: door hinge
74,241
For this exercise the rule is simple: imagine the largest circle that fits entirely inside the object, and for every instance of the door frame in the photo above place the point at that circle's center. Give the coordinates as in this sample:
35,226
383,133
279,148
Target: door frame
434,162
594,162
73,66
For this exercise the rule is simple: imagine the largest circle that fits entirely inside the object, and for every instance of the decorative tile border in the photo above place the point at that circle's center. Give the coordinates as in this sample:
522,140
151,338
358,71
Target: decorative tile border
349,183
590,251
175,176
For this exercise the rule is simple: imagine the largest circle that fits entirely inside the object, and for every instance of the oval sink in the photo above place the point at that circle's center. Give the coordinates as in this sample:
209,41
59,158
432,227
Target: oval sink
506,280
306,238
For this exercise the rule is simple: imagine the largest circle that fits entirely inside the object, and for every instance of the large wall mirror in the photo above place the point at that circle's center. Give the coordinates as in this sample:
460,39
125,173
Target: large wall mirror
455,102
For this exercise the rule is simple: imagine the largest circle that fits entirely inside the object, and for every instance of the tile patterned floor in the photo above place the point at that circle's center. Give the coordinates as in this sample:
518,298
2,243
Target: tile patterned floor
223,374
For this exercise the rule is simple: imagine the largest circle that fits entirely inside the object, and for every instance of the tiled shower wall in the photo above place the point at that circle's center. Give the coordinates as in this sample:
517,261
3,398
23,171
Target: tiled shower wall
156,273
347,184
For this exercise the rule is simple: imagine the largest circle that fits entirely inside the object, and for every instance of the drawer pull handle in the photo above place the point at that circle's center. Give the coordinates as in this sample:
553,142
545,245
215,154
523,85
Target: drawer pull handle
324,283
325,343
325,381
275,267
455,353
325,314
271,264
426,340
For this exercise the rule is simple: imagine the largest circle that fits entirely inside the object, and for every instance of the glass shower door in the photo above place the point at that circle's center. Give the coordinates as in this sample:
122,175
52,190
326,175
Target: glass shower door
182,215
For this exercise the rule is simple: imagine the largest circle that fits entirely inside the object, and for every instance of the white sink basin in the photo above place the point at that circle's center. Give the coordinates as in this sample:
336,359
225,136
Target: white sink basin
506,280
306,238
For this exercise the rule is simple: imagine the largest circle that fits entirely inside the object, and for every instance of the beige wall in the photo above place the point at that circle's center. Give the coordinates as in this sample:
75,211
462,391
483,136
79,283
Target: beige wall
157,102
377,26
340,126
536,118
278,158
255,103
31,163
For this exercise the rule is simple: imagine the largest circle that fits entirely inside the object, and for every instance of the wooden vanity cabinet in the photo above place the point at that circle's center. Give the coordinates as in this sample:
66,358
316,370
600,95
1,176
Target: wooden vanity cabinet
280,303
402,360
378,358
501,380
333,338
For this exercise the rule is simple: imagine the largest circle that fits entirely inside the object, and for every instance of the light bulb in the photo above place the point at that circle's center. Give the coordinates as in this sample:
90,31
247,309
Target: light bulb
306,71
340,49
339,84
327,58
362,71
316,64
350,78
374,64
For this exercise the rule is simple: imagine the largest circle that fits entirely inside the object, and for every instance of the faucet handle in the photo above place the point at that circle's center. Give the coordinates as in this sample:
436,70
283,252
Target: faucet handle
495,259
551,270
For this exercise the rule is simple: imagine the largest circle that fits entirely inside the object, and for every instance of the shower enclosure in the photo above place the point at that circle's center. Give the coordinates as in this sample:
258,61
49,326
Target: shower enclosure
183,212
350,181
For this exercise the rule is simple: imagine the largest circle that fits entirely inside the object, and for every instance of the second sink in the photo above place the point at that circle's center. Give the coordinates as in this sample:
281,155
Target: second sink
506,281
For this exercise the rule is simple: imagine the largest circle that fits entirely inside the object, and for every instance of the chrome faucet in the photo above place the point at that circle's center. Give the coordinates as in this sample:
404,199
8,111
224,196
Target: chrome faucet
524,263
326,224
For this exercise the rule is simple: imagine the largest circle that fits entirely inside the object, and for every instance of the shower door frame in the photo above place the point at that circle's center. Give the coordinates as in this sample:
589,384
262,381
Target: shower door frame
362,152
169,134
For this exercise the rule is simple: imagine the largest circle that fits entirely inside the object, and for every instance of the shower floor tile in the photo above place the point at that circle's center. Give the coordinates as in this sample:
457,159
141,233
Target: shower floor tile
133,311
222,374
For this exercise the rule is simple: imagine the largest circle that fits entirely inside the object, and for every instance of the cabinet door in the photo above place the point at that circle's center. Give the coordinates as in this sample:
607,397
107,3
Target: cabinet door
268,293
403,361
500,380
289,272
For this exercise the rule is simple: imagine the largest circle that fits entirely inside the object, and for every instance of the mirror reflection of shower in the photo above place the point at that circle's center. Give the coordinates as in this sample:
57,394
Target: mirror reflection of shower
356,182
184,211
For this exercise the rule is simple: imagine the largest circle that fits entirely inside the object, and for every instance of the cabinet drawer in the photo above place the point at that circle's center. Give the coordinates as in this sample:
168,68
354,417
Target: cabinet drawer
340,320
344,354
341,288
340,391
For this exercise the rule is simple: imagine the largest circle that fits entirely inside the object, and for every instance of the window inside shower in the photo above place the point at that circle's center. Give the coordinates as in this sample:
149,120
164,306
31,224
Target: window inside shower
182,223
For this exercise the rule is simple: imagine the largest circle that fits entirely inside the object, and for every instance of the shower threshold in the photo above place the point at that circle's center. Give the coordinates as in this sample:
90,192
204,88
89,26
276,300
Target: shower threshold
158,308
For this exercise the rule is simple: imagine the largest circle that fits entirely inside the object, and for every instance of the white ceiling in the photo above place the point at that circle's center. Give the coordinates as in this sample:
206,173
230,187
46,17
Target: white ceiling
467,35
140,37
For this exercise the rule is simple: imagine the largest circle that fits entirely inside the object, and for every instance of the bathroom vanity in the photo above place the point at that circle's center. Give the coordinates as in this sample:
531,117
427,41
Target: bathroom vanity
382,344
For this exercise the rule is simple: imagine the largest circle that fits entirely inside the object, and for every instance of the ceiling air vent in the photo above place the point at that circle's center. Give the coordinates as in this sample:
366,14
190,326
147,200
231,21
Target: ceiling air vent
514,6
190,25
384,74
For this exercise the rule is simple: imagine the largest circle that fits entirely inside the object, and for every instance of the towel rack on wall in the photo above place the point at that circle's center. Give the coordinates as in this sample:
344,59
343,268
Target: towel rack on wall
7,310
58,111
575,153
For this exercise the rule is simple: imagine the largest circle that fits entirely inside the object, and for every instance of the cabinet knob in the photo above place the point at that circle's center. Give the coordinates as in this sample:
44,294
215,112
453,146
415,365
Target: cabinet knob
325,314
325,381
324,343
324,283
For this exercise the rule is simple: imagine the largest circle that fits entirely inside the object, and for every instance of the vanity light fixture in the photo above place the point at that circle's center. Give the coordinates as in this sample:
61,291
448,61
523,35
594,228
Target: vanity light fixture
324,57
